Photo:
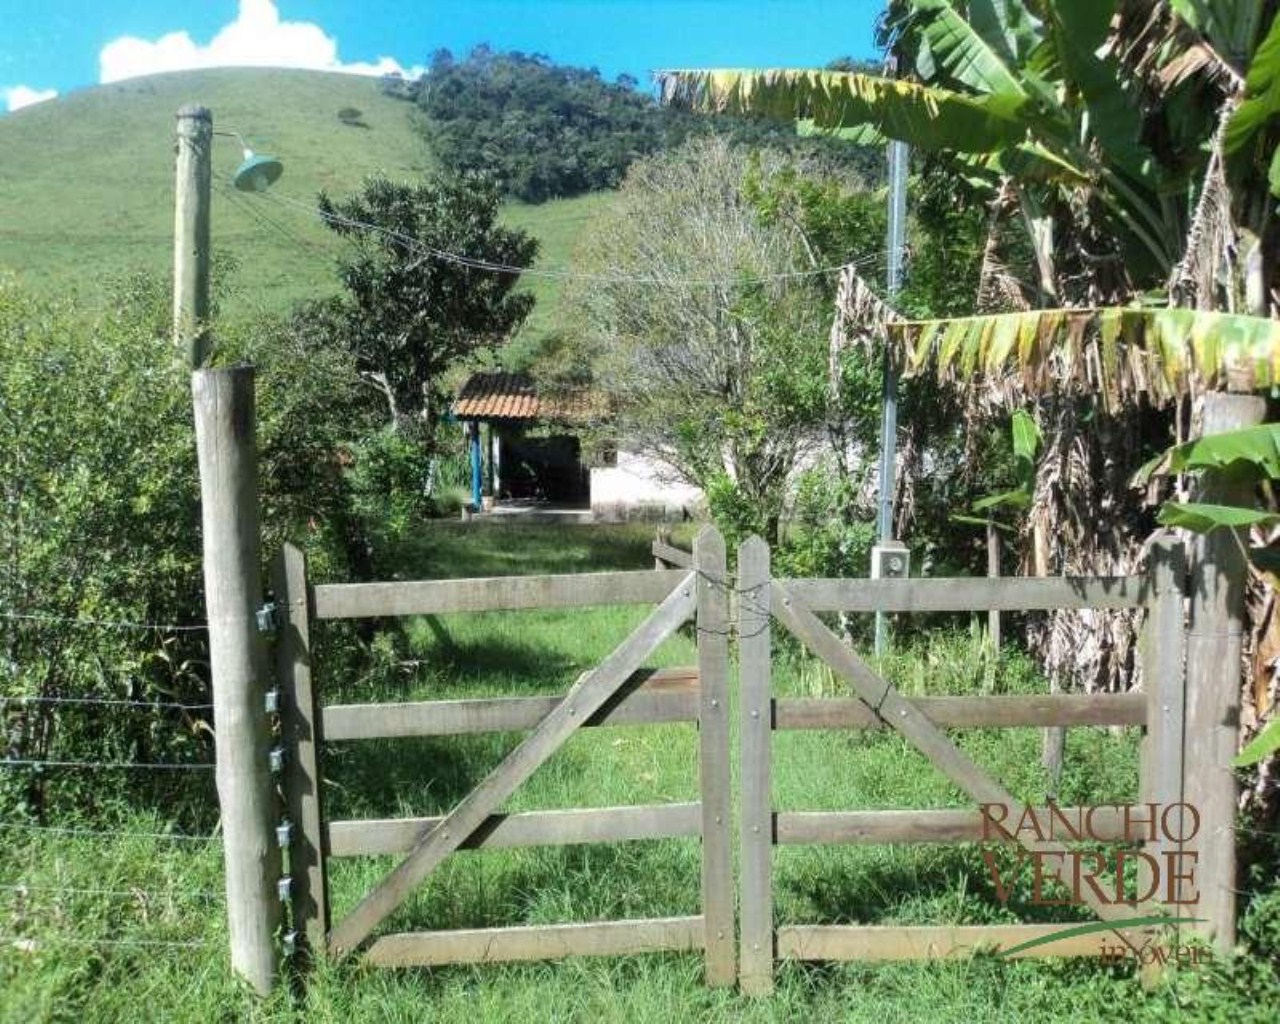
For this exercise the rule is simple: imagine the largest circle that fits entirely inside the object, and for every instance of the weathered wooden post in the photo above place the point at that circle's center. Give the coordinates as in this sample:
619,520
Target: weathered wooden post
755,663
301,726
993,572
1219,572
1163,774
191,232
227,451
713,741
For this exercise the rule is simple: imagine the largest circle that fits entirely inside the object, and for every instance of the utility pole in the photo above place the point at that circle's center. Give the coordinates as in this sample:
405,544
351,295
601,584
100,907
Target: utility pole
889,554
226,449
191,233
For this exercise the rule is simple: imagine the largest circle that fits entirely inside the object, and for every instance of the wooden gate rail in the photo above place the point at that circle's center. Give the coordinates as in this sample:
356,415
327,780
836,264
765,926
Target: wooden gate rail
493,593
921,721
618,692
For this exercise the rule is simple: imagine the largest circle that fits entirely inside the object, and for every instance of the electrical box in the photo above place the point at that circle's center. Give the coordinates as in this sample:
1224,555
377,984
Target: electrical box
890,561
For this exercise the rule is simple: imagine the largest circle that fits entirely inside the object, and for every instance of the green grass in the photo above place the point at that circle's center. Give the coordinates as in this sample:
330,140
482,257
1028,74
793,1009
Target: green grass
542,652
86,184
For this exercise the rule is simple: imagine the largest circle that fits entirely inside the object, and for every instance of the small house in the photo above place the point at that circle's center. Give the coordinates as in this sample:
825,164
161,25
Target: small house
538,450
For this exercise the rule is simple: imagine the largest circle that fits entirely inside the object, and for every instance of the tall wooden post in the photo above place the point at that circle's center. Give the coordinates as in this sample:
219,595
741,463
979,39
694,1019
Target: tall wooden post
755,665
191,233
1163,775
993,572
227,451
713,742
1219,572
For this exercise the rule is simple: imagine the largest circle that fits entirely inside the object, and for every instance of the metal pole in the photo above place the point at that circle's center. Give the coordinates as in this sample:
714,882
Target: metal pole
191,233
895,243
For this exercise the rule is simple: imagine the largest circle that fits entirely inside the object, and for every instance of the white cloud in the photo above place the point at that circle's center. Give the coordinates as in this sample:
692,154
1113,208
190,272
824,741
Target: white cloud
24,96
257,38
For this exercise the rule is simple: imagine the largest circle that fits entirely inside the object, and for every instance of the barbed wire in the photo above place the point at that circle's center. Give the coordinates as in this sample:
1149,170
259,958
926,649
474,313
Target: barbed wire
17,762
48,619
107,702
176,837
31,942
26,887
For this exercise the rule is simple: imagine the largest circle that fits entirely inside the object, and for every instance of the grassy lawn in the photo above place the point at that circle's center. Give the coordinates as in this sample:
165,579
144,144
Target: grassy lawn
542,652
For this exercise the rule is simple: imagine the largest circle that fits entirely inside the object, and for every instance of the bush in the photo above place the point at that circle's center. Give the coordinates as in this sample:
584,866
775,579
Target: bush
99,523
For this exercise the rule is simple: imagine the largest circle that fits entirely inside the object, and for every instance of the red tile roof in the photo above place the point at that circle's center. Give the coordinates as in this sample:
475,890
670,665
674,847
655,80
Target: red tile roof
514,396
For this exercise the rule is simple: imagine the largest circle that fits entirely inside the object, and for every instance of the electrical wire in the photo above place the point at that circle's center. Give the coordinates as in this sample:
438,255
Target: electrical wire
477,263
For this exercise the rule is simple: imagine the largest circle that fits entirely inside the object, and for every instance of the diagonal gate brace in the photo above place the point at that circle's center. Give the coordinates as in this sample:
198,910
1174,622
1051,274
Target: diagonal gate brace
916,727
582,701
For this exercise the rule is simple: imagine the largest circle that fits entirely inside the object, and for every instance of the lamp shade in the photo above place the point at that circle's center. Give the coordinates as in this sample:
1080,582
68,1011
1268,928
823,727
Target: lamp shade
257,173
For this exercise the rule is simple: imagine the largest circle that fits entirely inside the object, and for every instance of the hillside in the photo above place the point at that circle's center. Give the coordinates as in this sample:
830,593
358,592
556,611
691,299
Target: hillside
86,182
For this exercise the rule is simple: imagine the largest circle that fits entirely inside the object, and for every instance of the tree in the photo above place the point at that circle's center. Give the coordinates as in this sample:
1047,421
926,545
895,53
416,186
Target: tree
714,359
431,279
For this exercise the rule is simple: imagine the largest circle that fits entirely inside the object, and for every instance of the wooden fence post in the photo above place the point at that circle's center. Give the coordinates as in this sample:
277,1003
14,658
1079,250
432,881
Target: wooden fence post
227,452
192,177
713,740
993,572
1162,779
756,770
303,738
1219,572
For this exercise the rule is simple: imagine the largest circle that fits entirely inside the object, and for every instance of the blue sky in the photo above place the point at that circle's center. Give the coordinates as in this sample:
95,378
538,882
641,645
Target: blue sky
53,47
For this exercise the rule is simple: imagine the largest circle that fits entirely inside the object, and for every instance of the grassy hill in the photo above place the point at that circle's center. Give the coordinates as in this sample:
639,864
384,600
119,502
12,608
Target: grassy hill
86,183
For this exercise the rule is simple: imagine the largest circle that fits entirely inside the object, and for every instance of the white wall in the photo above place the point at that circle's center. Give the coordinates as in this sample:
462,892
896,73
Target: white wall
641,487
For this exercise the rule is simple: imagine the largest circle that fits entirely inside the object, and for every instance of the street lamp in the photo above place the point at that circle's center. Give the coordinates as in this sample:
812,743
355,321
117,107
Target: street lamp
256,173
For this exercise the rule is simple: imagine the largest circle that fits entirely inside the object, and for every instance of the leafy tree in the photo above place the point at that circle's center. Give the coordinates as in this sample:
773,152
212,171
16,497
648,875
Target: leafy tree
417,301
548,130
715,359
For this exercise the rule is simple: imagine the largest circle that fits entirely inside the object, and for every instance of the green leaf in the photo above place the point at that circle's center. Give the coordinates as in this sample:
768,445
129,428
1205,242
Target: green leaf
1012,499
980,521
1251,451
1262,93
926,117
1026,436
1263,745
1273,176
968,57
1200,518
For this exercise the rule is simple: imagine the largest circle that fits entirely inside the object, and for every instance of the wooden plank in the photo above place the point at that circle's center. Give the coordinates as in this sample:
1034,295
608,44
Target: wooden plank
493,593
227,454
755,768
668,555
375,836
883,942
1164,678
961,825
926,737
302,731
536,942
713,756
649,697
587,697
1161,781
969,712
1009,593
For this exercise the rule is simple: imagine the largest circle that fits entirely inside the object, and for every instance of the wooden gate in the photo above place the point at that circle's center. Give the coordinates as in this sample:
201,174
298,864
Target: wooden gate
794,603
619,691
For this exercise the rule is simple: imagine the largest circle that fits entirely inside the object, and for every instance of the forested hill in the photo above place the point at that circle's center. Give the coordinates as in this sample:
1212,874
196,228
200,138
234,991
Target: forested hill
550,131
